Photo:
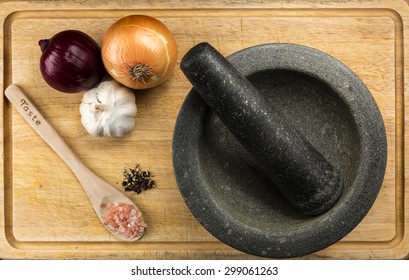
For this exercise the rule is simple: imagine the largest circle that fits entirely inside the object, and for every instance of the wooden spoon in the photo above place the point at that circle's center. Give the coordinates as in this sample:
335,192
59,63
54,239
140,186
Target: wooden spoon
100,193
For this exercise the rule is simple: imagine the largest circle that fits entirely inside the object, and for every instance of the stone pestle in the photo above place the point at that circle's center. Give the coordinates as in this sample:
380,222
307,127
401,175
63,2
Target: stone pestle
297,169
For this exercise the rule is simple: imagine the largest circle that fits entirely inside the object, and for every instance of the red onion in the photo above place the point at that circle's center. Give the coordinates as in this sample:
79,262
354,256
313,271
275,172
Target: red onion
71,61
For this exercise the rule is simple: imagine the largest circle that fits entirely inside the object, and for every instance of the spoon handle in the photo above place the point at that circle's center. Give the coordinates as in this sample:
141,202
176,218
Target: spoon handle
31,114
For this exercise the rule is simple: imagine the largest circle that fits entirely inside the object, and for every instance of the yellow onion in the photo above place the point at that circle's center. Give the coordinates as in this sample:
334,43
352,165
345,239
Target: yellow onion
139,51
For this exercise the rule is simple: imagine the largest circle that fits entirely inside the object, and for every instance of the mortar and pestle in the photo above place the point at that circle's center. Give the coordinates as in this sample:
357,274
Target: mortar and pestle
279,150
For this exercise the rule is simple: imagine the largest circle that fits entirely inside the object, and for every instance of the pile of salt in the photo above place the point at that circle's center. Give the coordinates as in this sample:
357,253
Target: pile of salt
124,219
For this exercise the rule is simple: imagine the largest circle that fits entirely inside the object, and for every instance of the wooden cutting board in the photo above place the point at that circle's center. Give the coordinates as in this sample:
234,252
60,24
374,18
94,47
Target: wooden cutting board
44,211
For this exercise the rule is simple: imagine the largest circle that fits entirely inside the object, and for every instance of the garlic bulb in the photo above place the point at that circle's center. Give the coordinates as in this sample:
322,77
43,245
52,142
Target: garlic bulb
108,110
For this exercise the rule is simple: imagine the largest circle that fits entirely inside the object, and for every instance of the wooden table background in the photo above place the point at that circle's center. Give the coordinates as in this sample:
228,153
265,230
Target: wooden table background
44,212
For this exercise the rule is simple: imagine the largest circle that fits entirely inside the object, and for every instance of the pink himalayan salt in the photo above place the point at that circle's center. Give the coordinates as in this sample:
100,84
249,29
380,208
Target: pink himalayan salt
124,219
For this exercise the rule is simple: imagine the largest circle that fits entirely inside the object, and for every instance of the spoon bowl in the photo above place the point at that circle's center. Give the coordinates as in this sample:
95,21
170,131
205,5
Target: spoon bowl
109,203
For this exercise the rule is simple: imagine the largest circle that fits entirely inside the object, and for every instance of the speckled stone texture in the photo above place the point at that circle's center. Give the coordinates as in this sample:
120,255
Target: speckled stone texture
227,189
300,172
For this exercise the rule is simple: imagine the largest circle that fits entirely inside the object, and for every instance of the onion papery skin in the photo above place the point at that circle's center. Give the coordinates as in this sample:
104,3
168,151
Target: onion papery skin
71,62
139,40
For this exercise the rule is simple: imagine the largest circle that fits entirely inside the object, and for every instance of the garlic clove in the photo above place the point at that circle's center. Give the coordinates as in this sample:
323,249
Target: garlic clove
108,110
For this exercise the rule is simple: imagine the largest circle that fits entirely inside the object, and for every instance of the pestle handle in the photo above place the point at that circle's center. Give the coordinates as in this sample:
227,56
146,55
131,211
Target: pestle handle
298,170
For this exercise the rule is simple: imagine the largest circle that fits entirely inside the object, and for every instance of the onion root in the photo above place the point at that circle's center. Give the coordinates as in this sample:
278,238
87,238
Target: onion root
139,72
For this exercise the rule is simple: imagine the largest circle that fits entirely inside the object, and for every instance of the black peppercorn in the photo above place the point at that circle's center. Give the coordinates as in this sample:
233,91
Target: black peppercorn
135,180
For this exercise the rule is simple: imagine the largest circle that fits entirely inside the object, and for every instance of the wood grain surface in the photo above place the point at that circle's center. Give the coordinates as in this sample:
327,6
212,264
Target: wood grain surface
44,211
